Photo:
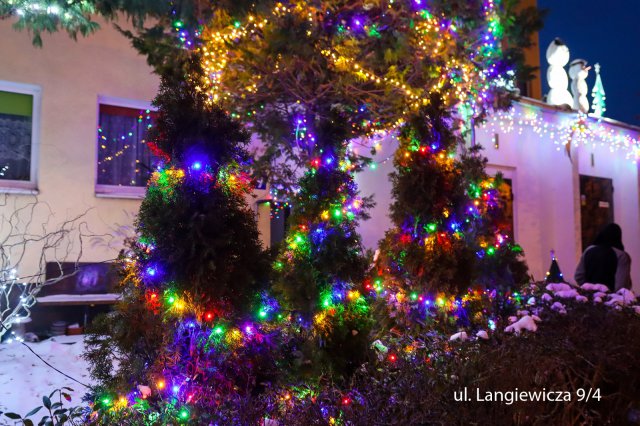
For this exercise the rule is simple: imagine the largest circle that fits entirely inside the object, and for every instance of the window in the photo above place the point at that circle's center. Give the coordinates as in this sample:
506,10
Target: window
125,161
507,219
19,106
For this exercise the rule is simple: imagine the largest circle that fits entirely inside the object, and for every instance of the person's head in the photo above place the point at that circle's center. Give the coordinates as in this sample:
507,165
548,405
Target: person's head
611,235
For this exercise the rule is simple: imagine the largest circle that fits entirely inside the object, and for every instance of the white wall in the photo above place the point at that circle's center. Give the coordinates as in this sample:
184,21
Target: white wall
546,186
543,191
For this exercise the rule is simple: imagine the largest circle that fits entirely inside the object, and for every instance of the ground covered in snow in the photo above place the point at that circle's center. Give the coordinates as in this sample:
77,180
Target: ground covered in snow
24,379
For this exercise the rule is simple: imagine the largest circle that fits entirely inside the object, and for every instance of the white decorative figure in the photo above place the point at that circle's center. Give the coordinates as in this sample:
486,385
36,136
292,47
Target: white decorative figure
558,57
578,71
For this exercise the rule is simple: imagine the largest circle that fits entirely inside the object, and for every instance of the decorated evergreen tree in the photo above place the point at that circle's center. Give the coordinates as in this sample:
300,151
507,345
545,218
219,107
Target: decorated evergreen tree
192,329
447,241
322,264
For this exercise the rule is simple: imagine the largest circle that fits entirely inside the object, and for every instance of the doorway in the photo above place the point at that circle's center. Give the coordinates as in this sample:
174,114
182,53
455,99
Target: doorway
596,206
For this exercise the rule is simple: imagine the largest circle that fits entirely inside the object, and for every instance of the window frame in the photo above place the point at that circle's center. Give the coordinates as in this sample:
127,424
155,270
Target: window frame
116,191
29,187
508,172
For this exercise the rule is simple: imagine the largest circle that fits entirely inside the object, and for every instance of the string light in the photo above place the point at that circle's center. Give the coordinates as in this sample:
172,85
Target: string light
576,129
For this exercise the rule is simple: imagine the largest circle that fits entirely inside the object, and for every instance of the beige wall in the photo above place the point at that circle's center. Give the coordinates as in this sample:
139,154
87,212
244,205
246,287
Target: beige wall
71,76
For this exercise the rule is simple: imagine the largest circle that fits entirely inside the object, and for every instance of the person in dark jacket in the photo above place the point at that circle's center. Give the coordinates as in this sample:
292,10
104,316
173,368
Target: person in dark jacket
605,261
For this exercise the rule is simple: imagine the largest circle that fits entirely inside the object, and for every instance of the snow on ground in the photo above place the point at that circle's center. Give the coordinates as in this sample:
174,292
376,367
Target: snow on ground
24,379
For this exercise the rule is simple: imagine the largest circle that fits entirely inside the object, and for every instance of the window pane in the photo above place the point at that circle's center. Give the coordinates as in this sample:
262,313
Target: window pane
15,136
124,158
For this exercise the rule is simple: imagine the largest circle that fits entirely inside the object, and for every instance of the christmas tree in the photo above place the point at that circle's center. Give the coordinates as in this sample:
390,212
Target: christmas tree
191,331
599,105
554,274
322,265
448,241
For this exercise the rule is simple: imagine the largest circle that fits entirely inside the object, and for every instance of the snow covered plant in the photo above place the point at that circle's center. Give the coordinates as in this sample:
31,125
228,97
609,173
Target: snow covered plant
28,241
57,415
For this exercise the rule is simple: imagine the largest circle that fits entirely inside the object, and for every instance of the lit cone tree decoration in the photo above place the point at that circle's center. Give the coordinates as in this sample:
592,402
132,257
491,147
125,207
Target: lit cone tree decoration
193,330
554,274
599,99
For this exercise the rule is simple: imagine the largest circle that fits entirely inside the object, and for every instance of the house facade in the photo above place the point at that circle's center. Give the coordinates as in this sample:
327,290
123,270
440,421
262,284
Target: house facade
51,101
73,117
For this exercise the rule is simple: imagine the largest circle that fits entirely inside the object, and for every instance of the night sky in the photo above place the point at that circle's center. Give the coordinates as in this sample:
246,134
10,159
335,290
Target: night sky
607,32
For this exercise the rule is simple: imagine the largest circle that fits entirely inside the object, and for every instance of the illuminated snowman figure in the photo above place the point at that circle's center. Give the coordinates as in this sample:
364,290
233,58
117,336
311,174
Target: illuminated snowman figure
578,71
558,57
